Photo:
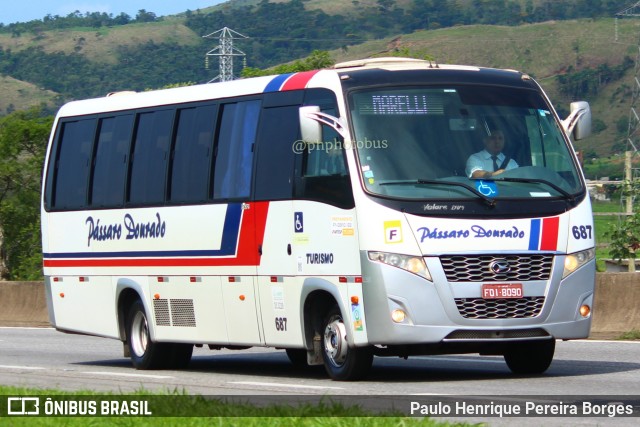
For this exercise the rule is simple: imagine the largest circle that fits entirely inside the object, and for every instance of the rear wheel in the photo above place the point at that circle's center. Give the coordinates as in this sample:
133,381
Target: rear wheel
342,362
180,355
146,354
530,357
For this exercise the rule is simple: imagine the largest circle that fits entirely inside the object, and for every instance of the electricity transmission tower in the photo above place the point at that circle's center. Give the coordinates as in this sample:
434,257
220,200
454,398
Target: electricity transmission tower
225,53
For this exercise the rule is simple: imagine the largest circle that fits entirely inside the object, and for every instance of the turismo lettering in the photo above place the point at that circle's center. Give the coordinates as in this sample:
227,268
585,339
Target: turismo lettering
320,258
475,231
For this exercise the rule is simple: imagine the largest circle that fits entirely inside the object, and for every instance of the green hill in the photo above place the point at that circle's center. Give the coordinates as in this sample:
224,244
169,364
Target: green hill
74,57
547,51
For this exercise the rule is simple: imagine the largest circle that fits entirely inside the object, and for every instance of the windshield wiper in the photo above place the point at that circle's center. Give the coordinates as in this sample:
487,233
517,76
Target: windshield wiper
565,193
489,201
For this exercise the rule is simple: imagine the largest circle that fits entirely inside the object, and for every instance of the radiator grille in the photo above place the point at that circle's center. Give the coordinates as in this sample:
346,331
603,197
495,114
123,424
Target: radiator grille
522,268
161,309
504,334
182,313
174,312
479,308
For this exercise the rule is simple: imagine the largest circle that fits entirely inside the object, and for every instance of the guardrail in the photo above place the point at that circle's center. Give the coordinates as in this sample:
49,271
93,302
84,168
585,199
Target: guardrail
616,306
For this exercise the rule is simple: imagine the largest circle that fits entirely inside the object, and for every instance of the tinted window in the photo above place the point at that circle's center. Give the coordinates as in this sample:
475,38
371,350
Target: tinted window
324,176
192,154
112,155
150,157
279,130
234,157
73,161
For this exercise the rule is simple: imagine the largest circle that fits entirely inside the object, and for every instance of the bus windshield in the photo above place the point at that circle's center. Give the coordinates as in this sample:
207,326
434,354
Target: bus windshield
455,141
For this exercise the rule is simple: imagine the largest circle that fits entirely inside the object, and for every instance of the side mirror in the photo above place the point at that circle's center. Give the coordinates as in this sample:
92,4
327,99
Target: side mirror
579,121
310,128
311,121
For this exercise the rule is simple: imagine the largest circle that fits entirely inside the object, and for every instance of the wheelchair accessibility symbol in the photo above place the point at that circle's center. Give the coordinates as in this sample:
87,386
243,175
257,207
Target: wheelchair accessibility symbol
298,224
487,188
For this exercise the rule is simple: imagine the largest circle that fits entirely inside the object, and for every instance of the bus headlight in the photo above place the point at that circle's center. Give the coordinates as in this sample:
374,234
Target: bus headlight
576,260
412,264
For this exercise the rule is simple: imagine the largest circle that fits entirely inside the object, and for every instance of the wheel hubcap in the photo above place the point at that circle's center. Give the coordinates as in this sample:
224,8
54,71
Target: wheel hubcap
335,342
139,334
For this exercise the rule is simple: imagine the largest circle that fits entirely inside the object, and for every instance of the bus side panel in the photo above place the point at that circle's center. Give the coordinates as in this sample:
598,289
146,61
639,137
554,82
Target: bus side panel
84,304
278,288
326,247
241,309
188,309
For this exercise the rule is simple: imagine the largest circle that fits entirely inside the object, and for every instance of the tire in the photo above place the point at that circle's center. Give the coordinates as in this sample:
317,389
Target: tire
180,356
297,357
145,354
341,362
530,357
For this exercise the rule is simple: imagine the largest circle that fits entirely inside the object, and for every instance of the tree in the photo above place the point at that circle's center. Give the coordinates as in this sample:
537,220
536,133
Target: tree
23,141
144,16
625,237
317,60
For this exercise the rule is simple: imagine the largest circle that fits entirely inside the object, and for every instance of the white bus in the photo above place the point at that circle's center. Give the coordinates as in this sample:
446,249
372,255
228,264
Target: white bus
328,213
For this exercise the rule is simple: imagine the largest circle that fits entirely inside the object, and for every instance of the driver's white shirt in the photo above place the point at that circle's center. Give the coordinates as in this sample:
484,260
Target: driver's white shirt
482,161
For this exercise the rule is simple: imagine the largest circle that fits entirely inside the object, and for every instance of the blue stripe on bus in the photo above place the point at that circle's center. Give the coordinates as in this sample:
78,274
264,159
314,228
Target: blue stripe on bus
228,244
231,229
534,237
276,83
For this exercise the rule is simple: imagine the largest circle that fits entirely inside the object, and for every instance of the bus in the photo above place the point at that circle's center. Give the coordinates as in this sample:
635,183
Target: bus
329,213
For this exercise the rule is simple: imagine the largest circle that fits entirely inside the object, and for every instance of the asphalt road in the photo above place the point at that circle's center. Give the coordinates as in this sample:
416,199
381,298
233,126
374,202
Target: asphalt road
44,358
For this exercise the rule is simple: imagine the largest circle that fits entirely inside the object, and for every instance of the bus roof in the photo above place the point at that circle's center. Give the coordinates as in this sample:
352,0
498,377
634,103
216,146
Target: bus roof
128,100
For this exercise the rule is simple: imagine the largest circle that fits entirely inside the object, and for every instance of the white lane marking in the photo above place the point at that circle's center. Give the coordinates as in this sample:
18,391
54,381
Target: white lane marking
462,359
31,368
284,385
118,374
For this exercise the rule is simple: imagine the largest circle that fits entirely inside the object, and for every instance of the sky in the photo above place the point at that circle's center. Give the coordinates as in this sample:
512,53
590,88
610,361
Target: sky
23,11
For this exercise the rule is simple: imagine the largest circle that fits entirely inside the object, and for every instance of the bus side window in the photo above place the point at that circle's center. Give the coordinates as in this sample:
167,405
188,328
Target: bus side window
192,154
321,172
73,164
234,152
279,131
150,157
112,155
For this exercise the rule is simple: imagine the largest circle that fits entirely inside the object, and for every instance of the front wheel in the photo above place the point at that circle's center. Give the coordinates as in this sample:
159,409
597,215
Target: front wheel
341,362
530,357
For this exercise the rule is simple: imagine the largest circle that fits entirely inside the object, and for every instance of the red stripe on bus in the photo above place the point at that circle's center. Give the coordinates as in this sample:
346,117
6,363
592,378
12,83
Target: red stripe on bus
252,229
549,240
298,80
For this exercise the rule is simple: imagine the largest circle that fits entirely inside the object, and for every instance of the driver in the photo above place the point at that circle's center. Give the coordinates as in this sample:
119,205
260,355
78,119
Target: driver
491,161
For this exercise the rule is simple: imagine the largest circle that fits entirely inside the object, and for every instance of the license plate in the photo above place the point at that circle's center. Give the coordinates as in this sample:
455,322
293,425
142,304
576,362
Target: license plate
502,290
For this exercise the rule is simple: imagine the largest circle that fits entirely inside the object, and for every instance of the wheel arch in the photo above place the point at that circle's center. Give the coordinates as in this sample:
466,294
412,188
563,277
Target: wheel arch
318,296
127,292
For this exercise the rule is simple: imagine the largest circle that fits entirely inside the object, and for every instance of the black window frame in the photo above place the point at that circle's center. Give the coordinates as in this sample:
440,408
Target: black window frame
268,100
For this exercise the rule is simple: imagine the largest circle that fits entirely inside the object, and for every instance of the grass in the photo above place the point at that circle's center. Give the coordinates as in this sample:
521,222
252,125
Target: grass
633,334
181,409
19,95
100,44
